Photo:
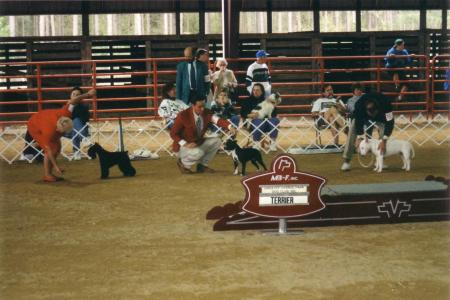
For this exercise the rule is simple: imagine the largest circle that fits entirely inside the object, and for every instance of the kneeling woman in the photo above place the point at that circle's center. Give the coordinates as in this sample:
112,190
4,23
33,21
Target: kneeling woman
267,126
47,127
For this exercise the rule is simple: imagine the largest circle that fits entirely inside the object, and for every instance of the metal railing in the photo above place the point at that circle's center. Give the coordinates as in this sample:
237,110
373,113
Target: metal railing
422,78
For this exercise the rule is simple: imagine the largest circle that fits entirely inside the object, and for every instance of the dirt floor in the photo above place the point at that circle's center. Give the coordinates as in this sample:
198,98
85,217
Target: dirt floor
147,238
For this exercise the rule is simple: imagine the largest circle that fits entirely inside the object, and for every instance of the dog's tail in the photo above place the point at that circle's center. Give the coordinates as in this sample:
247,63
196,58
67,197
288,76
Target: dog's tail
412,151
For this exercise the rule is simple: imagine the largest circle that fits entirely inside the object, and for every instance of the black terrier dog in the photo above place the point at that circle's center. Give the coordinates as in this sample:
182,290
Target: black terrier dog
243,155
109,159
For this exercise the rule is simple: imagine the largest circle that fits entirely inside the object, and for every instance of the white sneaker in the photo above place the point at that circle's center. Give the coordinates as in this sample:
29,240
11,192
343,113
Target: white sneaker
26,157
273,147
345,166
76,156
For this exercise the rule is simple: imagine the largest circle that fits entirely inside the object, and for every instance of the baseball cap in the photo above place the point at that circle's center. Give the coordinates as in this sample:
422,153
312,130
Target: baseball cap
261,53
399,41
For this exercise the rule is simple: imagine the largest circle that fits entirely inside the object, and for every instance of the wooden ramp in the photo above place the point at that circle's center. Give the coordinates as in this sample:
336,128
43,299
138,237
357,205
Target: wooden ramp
355,204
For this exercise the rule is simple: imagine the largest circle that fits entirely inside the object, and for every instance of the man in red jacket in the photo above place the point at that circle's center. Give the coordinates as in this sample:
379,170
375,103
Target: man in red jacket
188,133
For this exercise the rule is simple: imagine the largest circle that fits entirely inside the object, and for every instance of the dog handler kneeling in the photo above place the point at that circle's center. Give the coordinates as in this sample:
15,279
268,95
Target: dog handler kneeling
372,107
47,127
188,137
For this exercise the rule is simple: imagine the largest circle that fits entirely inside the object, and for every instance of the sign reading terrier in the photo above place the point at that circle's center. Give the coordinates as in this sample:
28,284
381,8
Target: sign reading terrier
404,148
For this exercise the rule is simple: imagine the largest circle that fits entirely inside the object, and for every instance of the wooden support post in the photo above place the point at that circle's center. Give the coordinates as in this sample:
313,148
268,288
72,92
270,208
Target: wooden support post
316,44
231,34
148,68
85,18
201,18
86,54
269,16
30,81
316,16
373,62
358,15
177,18
423,16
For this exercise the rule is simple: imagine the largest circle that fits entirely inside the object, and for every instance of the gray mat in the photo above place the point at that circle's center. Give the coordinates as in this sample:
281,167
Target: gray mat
377,188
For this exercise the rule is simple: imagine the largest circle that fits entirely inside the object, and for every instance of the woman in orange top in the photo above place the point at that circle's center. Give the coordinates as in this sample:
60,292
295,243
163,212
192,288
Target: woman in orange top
47,127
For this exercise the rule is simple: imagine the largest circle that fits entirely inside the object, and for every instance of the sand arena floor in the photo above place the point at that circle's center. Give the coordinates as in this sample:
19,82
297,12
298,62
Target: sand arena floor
147,238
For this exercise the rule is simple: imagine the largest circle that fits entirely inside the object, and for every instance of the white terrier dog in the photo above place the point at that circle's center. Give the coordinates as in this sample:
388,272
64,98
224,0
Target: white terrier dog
404,148
265,108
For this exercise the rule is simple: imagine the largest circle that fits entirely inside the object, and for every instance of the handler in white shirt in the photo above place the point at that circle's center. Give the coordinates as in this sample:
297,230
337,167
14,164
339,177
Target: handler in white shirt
327,110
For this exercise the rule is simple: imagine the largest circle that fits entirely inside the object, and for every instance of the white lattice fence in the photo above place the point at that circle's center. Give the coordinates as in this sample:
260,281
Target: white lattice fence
294,133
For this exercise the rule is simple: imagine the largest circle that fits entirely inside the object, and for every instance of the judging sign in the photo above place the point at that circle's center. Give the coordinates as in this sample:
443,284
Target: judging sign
283,192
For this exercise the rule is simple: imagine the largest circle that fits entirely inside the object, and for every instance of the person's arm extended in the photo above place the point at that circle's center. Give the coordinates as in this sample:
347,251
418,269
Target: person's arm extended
51,157
409,58
222,123
76,100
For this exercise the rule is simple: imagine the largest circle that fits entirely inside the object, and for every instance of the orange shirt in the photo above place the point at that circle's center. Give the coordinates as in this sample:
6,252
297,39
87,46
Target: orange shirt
42,127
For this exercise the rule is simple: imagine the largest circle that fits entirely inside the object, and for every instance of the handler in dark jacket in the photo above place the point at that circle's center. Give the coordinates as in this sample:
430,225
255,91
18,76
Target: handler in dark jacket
374,107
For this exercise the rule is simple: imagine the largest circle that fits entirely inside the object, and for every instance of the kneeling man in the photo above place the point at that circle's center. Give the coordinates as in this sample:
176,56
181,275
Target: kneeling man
188,137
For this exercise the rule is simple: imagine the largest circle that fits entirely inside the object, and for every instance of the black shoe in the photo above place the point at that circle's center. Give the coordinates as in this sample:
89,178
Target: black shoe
204,169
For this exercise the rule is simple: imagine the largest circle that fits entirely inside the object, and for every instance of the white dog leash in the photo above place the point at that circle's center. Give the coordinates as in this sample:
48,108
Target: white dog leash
363,164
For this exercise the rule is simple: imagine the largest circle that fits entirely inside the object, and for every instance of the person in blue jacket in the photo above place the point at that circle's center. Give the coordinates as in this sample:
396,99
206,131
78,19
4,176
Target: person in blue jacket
193,80
393,60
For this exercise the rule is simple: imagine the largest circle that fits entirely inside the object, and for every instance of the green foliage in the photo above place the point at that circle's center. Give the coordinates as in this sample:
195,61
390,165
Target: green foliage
4,27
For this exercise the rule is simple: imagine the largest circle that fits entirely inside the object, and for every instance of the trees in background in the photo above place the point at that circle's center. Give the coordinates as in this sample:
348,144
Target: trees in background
250,22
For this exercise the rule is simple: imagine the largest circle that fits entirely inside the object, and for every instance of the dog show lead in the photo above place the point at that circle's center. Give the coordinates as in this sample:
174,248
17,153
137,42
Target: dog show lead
47,127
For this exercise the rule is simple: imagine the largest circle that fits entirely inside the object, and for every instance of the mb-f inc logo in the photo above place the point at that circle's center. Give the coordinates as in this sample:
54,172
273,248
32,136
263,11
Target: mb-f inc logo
283,192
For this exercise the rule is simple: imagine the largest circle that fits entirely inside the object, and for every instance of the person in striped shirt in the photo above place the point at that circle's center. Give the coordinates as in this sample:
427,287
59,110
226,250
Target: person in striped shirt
258,72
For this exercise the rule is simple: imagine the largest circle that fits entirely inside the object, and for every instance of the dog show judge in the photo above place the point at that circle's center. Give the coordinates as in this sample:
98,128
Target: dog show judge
47,126
188,138
374,107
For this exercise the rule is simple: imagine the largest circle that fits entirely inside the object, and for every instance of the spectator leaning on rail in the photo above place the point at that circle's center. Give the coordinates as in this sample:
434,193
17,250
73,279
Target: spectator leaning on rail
393,60
327,111
188,138
349,149
260,126
47,127
80,118
374,107
170,107
222,108
224,79
258,72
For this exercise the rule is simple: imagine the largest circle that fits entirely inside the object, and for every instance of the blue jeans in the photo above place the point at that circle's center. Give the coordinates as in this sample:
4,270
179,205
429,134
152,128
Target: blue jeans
260,126
169,123
234,120
78,133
